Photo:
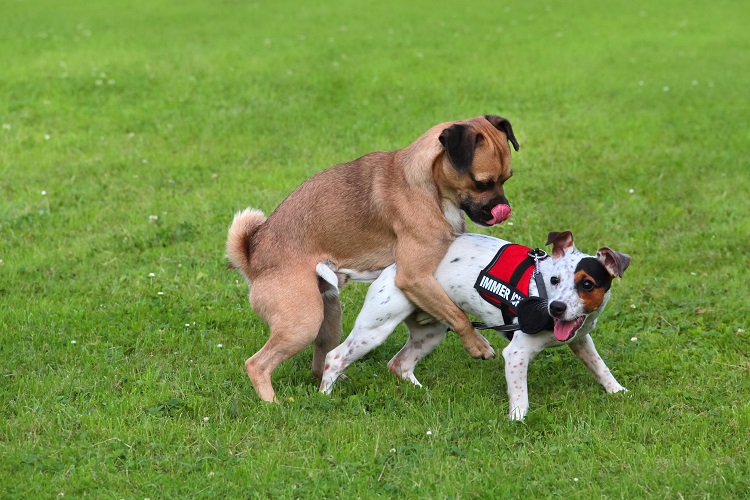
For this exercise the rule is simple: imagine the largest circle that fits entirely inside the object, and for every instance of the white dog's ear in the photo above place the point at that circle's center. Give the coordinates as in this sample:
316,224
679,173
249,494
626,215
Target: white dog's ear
562,243
614,262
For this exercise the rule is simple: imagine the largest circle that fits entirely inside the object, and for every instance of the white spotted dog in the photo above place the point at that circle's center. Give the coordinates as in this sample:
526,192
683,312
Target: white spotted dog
577,286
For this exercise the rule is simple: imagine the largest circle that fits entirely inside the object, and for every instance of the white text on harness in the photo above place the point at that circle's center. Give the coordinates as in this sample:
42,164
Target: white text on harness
499,289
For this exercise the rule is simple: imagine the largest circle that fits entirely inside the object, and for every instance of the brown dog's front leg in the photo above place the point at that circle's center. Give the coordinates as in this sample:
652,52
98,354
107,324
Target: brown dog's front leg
425,291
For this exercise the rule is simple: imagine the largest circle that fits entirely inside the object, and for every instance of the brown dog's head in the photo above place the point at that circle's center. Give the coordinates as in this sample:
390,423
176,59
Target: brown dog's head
475,165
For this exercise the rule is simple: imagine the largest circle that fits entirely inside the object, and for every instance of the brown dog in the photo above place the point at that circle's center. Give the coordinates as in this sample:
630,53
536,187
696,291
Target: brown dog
402,206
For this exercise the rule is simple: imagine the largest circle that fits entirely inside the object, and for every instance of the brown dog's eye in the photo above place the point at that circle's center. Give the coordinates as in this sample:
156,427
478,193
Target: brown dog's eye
484,185
587,285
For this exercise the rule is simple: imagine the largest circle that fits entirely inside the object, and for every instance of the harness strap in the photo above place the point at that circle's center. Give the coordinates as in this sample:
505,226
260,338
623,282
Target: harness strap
513,277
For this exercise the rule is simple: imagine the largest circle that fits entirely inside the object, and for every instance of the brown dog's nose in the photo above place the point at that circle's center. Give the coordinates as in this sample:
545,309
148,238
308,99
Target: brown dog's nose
557,308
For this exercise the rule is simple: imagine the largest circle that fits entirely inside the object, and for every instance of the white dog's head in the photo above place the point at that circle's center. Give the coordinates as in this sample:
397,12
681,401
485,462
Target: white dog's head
579,284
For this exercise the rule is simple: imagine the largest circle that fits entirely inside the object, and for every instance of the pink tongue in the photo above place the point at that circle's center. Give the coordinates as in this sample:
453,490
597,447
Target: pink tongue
499,214
566,329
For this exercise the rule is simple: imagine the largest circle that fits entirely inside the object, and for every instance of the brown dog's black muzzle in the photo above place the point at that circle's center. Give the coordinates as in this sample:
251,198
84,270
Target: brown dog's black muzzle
481,213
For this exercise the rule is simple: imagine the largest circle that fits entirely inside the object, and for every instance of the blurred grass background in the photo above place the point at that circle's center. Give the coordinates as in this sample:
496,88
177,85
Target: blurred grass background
132,131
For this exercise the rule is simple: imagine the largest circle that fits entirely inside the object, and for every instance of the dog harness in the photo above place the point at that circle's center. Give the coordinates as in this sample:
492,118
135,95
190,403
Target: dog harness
504,283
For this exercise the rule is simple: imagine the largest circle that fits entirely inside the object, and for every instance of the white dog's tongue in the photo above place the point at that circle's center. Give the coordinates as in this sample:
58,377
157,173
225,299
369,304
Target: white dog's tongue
499,214
564,330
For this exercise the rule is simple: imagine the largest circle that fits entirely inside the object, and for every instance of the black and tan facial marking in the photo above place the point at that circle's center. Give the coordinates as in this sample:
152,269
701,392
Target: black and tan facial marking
592,282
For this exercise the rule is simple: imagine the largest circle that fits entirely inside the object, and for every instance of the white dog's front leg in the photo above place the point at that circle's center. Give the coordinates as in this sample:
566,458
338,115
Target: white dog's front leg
518,354
586,352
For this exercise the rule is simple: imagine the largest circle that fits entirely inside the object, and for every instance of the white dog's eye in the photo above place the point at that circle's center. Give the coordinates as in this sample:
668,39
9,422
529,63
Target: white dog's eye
554,280
587,285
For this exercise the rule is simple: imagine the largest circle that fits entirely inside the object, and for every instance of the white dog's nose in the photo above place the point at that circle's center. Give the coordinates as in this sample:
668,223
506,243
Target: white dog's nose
557,308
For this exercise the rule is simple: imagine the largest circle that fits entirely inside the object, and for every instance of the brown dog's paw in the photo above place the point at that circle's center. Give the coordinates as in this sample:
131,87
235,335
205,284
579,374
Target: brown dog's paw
477,346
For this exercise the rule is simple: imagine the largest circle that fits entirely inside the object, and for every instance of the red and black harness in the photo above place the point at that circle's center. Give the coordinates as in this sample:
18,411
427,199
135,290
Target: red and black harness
504,283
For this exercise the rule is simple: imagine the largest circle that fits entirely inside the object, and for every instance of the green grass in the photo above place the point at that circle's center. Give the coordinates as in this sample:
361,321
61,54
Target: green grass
633,125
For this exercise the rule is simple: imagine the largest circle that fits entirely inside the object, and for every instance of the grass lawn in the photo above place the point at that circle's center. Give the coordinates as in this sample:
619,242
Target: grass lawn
132,132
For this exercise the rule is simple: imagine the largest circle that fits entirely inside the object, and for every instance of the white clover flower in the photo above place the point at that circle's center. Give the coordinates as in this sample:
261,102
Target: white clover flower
151,275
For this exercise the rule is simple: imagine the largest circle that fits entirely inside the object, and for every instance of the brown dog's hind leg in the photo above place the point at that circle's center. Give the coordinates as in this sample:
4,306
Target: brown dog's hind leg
294,316
330,332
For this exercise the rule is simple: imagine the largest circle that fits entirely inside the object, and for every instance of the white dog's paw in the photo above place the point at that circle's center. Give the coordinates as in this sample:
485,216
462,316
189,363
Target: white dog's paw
517,413
411,378
326,386
616,388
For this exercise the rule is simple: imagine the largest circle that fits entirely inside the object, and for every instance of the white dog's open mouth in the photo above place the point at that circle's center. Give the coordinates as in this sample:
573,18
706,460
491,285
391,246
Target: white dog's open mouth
566,330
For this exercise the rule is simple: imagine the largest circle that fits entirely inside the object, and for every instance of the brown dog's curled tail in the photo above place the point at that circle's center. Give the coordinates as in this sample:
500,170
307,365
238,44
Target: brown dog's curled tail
243,227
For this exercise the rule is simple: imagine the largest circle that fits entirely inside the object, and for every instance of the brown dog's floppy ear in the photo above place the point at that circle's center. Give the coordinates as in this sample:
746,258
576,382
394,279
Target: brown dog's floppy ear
614,262
459,142
503,125
560,242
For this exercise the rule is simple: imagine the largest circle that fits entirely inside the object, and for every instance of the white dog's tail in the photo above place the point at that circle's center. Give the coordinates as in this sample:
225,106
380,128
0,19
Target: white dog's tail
243,228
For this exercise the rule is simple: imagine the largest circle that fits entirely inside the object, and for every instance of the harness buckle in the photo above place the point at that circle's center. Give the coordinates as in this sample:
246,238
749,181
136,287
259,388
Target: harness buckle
538,254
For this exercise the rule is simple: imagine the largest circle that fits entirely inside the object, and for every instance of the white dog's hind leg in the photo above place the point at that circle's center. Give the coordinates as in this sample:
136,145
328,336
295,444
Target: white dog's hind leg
586,352
423,338
361,341
384,308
